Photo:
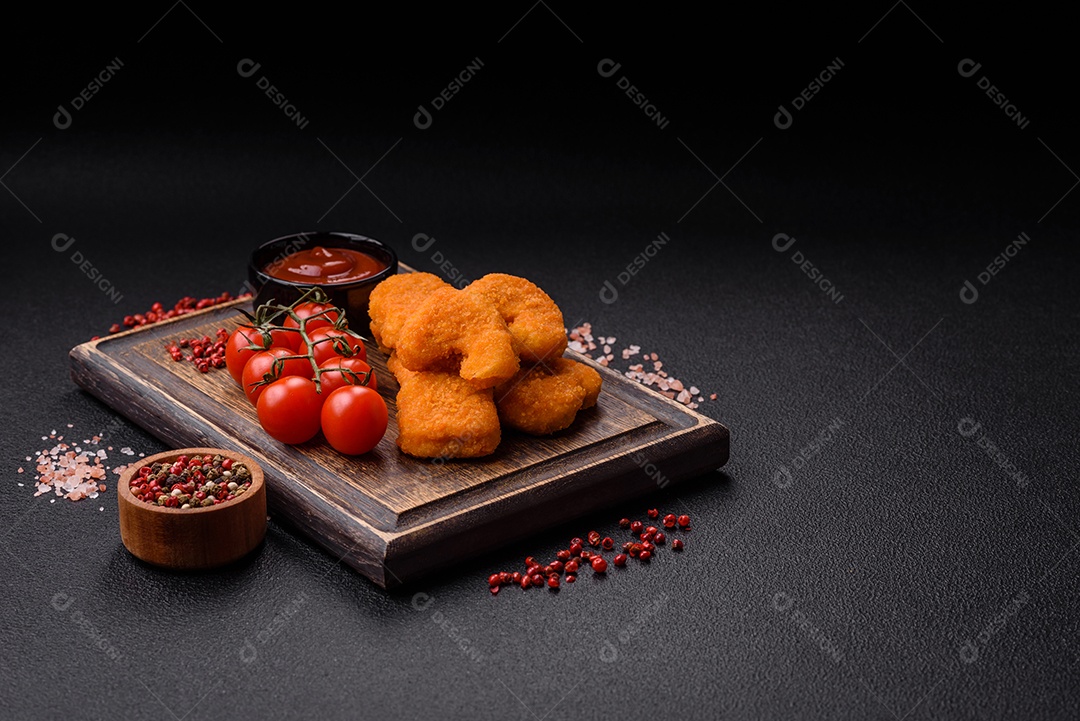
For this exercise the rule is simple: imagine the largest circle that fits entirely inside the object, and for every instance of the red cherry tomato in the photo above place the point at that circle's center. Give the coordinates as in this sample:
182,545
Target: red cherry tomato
354,419
336,379
324,345
238,349
289,409
263,362
309,310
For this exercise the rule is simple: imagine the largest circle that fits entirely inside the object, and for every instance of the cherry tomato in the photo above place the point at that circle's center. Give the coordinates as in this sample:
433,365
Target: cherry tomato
324,346
354,419
289,409
309,309
263,362
336,379
238,349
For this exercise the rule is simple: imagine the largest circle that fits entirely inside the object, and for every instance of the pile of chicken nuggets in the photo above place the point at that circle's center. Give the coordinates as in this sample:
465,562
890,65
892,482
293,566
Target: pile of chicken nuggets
472,360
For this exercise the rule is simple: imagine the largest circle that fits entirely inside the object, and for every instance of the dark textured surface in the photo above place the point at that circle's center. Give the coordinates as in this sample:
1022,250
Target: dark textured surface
897,572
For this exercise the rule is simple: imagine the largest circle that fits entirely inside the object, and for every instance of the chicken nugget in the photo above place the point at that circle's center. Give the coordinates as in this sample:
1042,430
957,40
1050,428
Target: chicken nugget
586,376
534,320
454,332
546,398
441,415
394,299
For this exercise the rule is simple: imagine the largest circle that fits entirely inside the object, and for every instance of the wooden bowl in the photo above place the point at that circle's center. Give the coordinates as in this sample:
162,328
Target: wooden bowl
193,538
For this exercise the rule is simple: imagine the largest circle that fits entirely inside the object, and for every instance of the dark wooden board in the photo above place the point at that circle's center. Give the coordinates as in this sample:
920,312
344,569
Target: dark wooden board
389,516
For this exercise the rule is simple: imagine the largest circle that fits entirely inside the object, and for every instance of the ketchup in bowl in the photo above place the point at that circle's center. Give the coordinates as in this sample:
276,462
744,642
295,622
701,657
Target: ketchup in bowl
324,266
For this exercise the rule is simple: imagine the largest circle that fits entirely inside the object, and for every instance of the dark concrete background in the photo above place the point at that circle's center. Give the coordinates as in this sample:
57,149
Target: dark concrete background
894,570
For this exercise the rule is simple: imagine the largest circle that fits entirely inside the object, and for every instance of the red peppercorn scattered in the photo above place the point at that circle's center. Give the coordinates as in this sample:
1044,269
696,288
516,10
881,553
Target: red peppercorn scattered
203,352
567,561
183,306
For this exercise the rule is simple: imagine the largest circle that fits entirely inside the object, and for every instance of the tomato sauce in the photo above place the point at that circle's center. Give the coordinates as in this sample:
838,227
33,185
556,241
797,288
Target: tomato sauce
325,266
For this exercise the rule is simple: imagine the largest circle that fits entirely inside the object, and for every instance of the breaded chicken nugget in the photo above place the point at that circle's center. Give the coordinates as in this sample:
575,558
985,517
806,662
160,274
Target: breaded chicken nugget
586,376
394,299
531,315
546,398
441,415
454,332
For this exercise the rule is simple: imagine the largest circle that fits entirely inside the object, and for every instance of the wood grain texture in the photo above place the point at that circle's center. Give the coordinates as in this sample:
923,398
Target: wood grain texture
195,538
393,517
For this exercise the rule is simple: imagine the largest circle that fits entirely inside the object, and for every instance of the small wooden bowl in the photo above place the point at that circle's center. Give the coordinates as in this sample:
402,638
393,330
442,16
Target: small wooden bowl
193,538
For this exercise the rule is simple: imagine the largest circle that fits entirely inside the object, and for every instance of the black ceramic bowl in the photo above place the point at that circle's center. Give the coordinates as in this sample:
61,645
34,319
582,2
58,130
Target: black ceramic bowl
353,296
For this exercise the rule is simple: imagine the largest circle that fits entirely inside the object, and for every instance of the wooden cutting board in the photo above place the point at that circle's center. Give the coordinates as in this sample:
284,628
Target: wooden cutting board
389,516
